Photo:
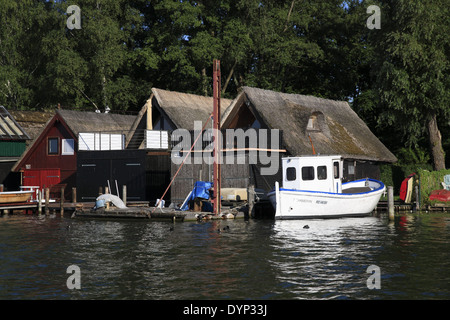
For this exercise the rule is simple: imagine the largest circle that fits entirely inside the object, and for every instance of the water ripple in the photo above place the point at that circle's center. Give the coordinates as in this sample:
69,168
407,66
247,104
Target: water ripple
248,260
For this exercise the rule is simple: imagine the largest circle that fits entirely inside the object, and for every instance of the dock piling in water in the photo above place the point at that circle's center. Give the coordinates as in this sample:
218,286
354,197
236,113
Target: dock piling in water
417,198
74,195
39,196
251,199
391,202
47,201
62,201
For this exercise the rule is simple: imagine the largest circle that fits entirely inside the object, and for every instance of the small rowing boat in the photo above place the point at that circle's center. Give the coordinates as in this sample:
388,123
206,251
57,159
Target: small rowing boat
15,196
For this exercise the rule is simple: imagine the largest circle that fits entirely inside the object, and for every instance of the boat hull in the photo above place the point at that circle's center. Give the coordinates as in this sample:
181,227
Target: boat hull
302,204
15,196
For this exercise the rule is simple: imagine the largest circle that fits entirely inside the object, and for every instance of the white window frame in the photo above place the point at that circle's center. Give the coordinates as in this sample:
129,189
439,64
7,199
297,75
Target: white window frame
67,151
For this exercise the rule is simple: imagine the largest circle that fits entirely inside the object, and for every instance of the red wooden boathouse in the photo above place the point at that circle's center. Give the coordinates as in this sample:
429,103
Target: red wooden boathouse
51,159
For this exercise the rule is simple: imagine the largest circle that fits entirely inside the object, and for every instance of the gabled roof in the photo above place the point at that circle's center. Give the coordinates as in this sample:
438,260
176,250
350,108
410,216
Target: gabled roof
340,131
9,128
184,108
81,121
180,109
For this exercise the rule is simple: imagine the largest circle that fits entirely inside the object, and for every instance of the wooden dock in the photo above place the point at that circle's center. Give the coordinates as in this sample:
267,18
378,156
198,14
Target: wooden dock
398,206
146,213
6,207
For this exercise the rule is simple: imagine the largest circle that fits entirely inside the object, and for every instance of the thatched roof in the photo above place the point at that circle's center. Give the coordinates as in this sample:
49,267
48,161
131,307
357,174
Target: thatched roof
340,130
177,108
32,121
82,121
184,108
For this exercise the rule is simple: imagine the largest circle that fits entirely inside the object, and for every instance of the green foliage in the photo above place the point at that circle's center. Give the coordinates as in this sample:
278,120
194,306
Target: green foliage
123,48
411,67
429,181
394,174
395,77
415,156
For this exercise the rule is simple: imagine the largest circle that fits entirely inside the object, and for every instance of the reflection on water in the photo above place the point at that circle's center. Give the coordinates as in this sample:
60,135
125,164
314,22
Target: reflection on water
328,259
256,259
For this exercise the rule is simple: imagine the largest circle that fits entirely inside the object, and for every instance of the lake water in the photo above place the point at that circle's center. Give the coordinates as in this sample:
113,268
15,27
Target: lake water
255,259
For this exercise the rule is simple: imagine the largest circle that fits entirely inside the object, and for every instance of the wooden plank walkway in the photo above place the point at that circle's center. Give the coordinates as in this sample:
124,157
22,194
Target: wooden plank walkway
158,214
19,205
400,206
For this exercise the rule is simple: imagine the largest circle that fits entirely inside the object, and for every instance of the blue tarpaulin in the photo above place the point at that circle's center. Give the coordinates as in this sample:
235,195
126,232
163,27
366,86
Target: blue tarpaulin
201,190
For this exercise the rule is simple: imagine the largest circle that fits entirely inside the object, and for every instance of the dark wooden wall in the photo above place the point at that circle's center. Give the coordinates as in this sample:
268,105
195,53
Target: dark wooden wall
95,168
233,176
157,176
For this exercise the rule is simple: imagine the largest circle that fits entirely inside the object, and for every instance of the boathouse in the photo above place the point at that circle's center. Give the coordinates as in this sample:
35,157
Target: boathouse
155,130
50,161
164,112
13,139
311,125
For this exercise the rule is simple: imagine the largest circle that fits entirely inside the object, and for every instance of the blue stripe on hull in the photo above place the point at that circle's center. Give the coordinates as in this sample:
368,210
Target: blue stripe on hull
331,216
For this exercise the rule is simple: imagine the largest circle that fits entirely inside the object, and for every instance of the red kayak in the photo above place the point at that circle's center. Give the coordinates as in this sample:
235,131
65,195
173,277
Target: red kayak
440,195
404,190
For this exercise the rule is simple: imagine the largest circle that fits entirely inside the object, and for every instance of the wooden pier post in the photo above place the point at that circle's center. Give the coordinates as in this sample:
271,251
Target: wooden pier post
39,202
417,198
251,199
124,194
74,195
391,203
62,201
47,201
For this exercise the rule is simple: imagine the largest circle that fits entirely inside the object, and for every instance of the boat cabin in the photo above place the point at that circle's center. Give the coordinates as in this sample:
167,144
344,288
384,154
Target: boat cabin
313,173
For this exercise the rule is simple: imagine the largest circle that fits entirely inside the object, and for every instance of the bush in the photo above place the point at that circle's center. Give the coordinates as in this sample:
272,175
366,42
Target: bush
429,181
394,174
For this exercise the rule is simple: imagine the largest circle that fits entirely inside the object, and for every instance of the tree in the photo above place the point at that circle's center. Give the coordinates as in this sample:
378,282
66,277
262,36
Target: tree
411,71
21,22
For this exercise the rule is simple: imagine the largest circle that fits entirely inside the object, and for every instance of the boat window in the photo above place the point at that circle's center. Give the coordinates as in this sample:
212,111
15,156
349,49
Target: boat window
351,168
308,173
336,169
322,172
291,174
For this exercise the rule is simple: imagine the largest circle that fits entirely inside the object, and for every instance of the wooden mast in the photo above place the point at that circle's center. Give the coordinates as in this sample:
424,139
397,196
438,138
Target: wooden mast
217,142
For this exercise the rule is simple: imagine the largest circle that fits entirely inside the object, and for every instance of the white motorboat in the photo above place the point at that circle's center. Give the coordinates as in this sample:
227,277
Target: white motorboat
313,188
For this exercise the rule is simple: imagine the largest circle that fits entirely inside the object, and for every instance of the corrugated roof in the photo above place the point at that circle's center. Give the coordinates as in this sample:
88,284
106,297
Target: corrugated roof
9,128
